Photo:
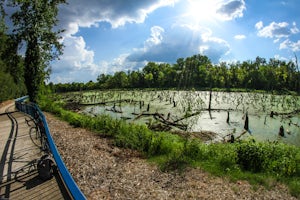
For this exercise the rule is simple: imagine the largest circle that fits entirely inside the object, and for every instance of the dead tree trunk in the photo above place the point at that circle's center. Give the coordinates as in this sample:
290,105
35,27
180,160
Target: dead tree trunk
209,103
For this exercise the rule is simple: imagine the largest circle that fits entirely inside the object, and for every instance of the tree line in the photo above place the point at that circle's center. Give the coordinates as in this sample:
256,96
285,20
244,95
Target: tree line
198,72
33,30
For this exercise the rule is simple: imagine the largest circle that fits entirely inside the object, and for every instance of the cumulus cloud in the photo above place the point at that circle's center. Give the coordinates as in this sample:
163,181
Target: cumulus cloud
182,41
294,30
231,9
239,37
77,13
288,44
273,30
259,25
77,63
281,32
155,38
76,56
120,63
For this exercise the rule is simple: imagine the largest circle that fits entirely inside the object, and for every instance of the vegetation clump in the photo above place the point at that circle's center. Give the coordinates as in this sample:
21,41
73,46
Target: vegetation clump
250,160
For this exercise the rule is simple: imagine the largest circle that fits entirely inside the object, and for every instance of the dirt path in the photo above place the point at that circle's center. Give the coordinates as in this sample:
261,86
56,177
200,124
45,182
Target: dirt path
6,104
103,171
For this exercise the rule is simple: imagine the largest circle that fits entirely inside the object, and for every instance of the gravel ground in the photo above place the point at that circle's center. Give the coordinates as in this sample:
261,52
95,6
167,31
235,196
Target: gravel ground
103,171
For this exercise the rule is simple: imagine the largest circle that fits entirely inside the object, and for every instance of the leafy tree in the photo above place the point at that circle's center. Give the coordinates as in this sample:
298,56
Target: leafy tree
11,65
34,23
198,72
102,80
134,79
119,80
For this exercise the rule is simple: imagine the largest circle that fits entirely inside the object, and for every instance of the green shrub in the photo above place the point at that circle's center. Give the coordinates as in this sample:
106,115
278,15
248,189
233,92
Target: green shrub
251,156
274,158
227,156
192,149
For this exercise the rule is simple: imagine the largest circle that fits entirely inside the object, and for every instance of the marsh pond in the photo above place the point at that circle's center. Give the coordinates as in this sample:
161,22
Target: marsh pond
241,114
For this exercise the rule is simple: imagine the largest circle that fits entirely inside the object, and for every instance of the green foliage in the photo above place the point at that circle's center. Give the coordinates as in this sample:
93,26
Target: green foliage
274,158
11,68
33,25
198,72
258,162
8,87
294,186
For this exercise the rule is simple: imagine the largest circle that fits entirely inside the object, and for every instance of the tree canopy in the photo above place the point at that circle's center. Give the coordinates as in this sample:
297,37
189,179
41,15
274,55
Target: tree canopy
11,66
34,23
198,72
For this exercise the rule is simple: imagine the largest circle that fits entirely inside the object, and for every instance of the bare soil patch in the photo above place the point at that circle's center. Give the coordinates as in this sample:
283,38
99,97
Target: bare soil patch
103,171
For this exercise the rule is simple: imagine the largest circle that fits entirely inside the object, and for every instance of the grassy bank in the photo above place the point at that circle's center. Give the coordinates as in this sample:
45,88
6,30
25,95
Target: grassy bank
259,163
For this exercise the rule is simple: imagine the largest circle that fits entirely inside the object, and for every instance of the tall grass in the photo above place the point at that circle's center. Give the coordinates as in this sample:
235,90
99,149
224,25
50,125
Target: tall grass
257,162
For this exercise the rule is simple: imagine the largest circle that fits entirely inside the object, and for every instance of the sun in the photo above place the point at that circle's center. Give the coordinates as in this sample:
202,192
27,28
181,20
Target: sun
202,10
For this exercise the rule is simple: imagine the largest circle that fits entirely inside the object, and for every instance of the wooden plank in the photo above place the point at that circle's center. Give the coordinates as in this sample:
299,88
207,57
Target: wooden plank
19,151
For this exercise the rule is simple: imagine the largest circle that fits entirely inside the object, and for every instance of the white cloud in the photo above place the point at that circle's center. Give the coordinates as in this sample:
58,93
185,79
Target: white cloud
155,38
77,13
76,63
239,37
280,31
288,44
276,40
259,25
294,30
231,9
75,55
203,48
277,30
182,41
118,12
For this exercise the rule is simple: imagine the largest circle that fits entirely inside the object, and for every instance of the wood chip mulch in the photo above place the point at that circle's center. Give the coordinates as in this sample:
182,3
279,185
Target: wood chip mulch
103,171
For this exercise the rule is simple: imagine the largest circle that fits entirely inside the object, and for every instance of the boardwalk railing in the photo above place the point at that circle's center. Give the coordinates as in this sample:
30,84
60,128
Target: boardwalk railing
34,111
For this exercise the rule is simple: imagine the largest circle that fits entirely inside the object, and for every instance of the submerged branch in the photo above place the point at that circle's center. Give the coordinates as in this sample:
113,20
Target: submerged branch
159,117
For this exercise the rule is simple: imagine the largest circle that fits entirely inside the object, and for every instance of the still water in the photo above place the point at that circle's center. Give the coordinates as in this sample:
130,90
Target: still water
178,104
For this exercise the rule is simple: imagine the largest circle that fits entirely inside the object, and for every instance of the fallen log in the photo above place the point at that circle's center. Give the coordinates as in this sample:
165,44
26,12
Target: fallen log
289,114
187,116
160,117
113,109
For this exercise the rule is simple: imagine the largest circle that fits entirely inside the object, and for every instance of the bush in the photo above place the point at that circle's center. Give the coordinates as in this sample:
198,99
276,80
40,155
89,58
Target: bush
274,158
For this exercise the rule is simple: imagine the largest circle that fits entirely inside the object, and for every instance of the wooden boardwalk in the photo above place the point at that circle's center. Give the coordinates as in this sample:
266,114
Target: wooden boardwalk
20,148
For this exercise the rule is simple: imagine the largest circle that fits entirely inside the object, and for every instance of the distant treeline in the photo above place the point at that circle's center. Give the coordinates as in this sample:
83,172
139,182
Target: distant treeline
198,72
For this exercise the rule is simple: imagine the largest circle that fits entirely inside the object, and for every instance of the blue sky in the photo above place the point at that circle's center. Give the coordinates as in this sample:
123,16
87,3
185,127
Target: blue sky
107,36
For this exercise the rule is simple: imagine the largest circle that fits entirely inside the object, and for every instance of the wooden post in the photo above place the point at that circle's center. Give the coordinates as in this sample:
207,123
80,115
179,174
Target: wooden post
227,117
209,104
246,126
148,107
281,131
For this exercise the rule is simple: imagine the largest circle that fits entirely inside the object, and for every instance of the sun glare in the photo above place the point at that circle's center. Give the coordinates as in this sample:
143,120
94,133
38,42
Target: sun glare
202,10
